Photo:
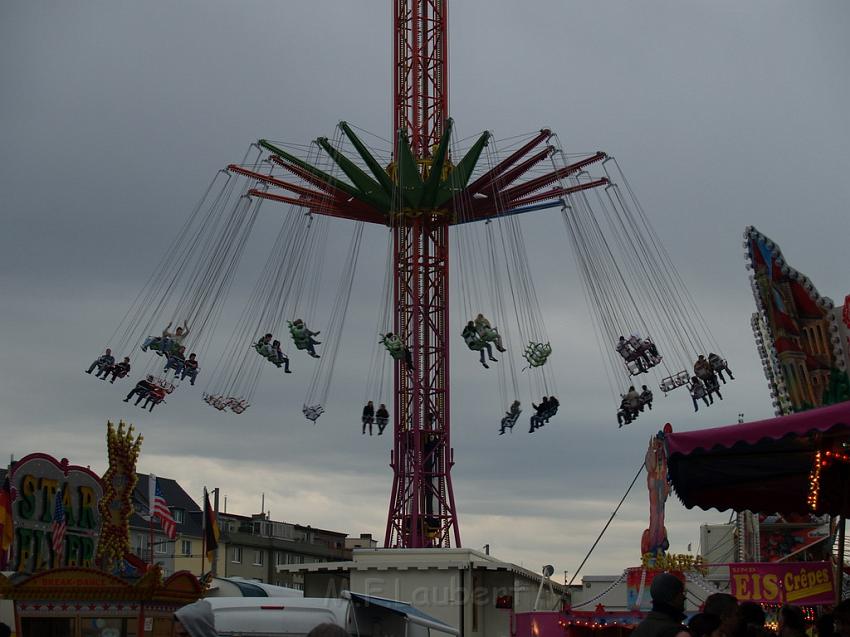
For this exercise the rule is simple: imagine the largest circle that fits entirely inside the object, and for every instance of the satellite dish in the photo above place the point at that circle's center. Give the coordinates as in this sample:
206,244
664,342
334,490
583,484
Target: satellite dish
548,570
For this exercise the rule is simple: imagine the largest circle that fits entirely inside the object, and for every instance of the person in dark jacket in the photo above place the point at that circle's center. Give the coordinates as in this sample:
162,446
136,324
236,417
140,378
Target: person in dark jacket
841,617
102,361
668,605
725,606
368,417
704,625
382,418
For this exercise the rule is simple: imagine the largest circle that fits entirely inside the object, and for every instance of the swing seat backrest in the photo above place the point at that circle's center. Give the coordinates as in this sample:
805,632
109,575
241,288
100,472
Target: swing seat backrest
511,419
473,343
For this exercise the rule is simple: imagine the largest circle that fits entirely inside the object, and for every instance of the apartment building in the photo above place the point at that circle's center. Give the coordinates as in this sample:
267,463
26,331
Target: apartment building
254,546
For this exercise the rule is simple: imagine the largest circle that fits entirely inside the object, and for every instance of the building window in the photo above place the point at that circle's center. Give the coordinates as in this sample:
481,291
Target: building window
160,546
237,554
186,548
258,558
177,514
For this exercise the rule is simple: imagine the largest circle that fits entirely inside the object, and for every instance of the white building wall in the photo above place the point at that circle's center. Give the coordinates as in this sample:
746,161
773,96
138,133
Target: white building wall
436,592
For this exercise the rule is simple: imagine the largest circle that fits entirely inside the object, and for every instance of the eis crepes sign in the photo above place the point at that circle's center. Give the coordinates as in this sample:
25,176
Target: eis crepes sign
798,583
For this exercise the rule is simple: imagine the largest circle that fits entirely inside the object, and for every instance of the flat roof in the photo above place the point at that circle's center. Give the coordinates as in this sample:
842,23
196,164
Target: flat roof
418,560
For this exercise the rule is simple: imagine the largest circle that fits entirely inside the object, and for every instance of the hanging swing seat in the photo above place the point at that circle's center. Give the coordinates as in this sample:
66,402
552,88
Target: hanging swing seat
473,340
221,403
712,385
678,379
394,346
301,336
698,391
238,406
164,384
313,412
537,353
510,418
263,349
718,364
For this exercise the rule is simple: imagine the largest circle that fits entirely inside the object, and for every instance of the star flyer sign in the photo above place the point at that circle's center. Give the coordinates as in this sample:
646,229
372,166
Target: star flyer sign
798,583
35,481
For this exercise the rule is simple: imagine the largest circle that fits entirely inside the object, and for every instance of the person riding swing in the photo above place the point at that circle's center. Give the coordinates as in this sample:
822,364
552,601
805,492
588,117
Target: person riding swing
368,417
303,337
397,349
510,418
476,343
488,333
382,417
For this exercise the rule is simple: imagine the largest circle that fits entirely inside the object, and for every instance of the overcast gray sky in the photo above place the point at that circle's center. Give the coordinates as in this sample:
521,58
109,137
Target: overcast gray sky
114,117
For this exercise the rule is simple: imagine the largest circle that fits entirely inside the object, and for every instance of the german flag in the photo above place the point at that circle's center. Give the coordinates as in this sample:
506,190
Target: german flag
211,533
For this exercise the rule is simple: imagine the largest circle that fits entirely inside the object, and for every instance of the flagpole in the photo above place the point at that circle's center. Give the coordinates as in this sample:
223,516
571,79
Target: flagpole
150,538
151,498
204,532
214,565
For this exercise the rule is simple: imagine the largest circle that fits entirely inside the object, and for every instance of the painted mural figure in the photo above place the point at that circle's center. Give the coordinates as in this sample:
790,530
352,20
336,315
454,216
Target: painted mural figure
654,540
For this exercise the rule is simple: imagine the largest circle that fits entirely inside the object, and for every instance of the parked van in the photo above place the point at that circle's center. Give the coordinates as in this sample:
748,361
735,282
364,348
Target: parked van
359,615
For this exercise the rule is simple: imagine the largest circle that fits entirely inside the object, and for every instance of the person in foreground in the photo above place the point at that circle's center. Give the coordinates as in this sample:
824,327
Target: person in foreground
195,620
668,606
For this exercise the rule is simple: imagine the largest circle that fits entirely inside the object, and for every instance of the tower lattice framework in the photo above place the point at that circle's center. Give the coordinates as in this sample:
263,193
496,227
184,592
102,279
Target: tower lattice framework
422,509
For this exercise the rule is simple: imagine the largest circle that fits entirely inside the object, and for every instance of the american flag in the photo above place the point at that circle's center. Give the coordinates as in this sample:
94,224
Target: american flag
160,510
58,527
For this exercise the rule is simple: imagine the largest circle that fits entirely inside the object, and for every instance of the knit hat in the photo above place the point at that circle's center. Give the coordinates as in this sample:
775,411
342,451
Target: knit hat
665,587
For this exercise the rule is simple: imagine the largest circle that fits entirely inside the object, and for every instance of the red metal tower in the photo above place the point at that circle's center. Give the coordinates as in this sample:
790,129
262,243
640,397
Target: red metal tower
422,507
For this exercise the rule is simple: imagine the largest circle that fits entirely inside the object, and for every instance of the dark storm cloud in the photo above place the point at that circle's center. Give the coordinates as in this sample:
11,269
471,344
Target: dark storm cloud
113,119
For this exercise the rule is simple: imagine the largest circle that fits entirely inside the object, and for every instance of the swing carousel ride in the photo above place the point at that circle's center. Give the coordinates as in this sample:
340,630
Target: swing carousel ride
432,194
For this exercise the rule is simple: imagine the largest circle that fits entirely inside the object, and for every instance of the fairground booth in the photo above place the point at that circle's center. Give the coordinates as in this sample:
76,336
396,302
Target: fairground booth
792,467
67,566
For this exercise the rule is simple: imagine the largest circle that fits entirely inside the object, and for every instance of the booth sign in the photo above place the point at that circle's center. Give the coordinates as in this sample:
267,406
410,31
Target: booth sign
798,583
35,480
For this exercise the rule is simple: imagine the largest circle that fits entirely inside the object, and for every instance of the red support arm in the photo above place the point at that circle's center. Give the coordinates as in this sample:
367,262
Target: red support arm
479,184
529,187
335,193
515,173
555,193
268,179
485,209
324,206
